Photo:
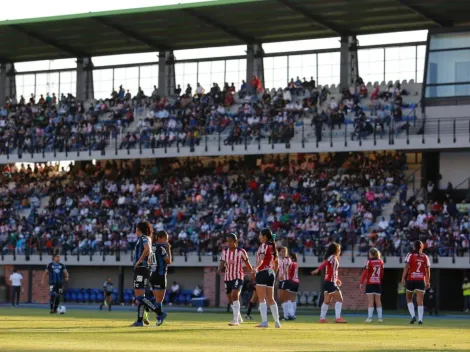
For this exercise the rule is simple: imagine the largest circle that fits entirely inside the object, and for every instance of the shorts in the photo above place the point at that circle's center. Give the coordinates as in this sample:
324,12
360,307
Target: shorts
415,285
158,282
330,287
293,287
56,289
107,294
284,285
374,289
265,278
233,285
141,278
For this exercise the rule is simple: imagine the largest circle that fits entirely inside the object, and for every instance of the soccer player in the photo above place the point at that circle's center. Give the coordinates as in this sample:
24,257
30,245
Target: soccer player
284,262
372,277
331,284
266,266
108,291
160,259
416,278
141,270
232,263
253,301
293,276
57,273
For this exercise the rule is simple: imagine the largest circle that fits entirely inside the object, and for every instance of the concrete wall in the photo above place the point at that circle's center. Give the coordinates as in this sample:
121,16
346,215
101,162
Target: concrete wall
454,168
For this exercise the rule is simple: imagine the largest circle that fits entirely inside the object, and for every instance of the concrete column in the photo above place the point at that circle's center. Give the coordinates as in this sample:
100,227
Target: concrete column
7,81
85,88
254,63
166,73
349,69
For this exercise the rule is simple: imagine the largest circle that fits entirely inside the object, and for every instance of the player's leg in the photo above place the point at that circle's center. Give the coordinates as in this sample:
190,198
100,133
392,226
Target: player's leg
159,295
378,305
18,291
420,303
338,306
263,308
272,304
58,290
253,300
293,304
52,298
283,300
235,298
409,302
370,307
109,300
140,285
324,307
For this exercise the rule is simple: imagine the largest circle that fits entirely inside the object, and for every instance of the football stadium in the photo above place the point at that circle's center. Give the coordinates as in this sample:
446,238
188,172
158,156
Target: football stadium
256,175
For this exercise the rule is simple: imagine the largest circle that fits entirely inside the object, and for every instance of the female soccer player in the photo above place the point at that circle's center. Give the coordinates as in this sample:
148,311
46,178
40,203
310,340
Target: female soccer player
332,283
57,273
372,276
284,262
232,263
416,278
159,261
266,266
293,275
141,271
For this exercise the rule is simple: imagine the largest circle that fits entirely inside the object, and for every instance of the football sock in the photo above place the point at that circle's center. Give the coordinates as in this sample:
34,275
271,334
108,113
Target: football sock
263,309
56,303
370,311
52,301
411,309
290,309
275,311
294,308
285,310
236,310
379,312
338,307
323,311
420,313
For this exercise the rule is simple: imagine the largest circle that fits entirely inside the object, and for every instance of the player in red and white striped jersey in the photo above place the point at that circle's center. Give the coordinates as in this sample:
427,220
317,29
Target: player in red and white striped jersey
372,277
331,283
293,288
416,278
231,262
284,262
266,266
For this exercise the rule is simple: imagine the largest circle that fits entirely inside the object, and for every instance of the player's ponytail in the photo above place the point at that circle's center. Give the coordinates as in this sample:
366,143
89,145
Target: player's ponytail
418,247
333,249
145,228
293,257
270,240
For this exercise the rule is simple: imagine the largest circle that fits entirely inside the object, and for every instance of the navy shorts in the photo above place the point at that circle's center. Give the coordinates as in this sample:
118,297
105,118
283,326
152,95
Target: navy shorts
374,289
141,277
330,287
293,287
415,285
157,282
107,294
265,278
284,285
56,289
233,285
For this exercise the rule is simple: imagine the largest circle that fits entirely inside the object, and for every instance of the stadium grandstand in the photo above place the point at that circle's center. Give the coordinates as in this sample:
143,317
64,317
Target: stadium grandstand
320,145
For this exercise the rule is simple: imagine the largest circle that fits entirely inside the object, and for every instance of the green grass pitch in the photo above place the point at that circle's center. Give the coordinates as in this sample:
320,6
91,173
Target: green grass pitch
81,330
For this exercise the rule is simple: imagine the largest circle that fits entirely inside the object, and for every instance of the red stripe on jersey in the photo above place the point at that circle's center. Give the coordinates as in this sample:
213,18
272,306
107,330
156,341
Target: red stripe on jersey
284,269
375,271
234,263
294,272
331,272
268,261
418,263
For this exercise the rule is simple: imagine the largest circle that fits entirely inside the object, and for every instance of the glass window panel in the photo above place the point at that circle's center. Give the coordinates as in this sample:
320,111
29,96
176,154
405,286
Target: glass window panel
68,83
449,67
295,61
421,51
205,67
449,41
407,52
25,85
103,83
371,65
448,91
148,78
218,67
268,62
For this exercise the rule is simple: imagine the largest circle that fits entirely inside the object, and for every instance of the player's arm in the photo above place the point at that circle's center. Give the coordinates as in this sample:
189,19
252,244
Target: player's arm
145,254
427,278
44,275
320,268
405,273
66,274
276,265
363,278
248,264
168,259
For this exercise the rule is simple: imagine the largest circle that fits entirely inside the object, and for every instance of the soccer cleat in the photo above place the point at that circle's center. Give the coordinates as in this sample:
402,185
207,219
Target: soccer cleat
323,321
420,322
248,317
52,311
413,320
264,324
380,321
161,318
234,323
283,318
368,320
340,321
292,318
277,325
137,324
146,318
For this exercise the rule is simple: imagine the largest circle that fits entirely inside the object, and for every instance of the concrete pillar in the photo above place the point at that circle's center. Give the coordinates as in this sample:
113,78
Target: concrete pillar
85,88
254,63
166,73
349,69
7,81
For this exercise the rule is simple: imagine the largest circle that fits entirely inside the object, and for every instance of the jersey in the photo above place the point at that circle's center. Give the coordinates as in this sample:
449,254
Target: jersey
139,250
234,263
331,272
56,273
418,263
268,261
157,259
373,272
293,272
284,269
108,286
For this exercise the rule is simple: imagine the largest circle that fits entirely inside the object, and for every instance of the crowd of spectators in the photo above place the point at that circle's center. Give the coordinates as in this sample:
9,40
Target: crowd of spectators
308,202
249,113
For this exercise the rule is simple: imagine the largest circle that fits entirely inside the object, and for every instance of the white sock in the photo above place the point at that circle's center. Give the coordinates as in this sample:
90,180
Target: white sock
290,309
338,307
294,308
420,313
370,311
323,311
236,310
275,312
379,312
263,310
411,309
285,310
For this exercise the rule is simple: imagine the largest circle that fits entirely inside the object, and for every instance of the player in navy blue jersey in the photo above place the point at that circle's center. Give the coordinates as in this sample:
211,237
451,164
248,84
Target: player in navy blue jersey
57,273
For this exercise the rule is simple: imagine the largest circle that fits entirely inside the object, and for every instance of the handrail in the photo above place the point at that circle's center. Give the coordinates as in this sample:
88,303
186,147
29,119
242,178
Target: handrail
461,183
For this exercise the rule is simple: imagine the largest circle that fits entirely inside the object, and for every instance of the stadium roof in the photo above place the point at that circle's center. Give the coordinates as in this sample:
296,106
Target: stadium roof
218,23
